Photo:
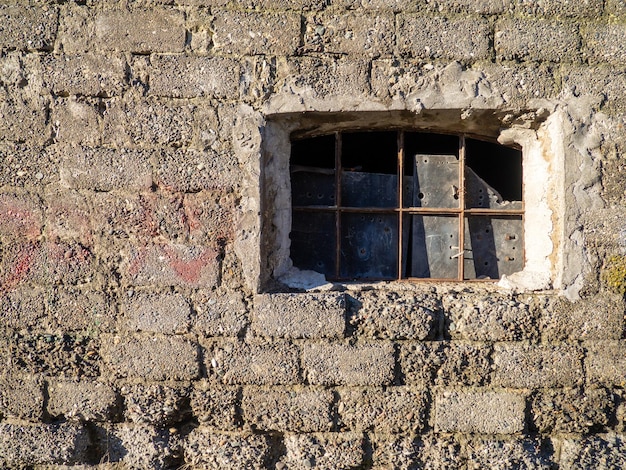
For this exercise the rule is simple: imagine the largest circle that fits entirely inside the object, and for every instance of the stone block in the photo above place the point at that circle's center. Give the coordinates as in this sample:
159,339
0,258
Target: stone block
595,451
327,451
79,310
28,27
503,453
406,451
21,216
445,363
581,9
570,410
251,33
167,313
602,43
86,74
42,444
26,165
219,313
150,357
615,7
24,117
22,308
302,410
479,7
216,406
323,77
134,446
207,448
537,366
170,265
517,84
84,400
595,318
601,82
299,315
369,363
192,77
68,216
191,171
394,410
210,217
159,405
479,411
490,318
101,169
276,363
353,32
537,39
76,121
465,39
140,31
392,315
605,363
21,397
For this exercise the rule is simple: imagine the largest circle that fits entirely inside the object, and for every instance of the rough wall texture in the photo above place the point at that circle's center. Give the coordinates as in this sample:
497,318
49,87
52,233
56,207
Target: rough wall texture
133,333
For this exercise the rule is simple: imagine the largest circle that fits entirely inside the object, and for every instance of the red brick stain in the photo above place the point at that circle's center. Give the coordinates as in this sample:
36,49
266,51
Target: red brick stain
20,268
189,270
15,217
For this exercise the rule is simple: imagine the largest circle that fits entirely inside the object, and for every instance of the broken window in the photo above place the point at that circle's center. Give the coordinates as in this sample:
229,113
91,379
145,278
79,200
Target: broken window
406,205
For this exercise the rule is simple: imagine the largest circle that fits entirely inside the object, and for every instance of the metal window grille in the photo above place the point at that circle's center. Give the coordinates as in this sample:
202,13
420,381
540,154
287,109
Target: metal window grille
397,205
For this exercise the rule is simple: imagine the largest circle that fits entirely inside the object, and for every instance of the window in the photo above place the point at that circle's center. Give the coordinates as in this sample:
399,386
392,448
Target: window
390,205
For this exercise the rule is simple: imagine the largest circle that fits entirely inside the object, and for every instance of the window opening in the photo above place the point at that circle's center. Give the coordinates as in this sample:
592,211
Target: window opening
406,205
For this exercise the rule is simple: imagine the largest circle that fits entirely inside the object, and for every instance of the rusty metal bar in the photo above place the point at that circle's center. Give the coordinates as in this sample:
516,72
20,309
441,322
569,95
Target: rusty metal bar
338,144
400,197
461,258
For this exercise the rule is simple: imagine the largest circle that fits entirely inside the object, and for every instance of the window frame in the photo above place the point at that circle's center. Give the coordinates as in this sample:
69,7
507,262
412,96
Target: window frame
461,212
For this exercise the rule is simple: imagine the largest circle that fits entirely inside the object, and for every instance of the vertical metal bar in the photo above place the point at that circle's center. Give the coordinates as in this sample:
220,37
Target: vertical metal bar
400,196
338,144
461,258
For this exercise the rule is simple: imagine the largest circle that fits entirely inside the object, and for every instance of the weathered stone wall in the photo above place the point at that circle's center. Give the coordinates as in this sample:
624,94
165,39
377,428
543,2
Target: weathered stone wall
142,324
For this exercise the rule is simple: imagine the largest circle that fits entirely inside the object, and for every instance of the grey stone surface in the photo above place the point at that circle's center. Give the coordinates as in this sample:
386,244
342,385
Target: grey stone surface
156,404
22,308
79,310
601,82
28,27
134,446
295,316
405,452
21,397
586,8
602,43
155,313
216,405
323,451
479,411
605,362
369,363
518,453
601,451
211,449
219,313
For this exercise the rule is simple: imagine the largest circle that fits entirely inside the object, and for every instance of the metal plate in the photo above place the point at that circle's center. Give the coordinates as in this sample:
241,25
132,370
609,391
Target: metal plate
360,189
312,187
436,181
493,247
431,246
479,195
313,241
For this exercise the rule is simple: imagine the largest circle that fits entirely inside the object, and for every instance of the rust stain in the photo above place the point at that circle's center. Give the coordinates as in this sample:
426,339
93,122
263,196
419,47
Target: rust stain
189,270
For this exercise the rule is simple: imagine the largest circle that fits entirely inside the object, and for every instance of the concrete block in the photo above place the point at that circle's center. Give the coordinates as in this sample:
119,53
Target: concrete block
603,83
134,446
42,444
79,310
207,448
582,9
537,39
191,171
159,405
21,397
28,27
86,74
517,84
323,77
210,217
302,410
219,313
602,43
615,7
394,410
445,363
251,33
76,121
407,451
393,315
24,117
479,411
21,216
166,313
425,37
327,451
299,315
353,32
22,308
570,410
102,169
490,317
369,363
605,363
537,366
595,451
84,400
275,363
499,453
68,216
479,7
216,406
140,31
26,165
148,123
170,265
594,318
150,357
191,77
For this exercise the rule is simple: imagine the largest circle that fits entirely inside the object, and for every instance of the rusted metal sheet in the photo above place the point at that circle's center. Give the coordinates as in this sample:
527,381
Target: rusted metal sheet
479,195
312,186
431,246
360,189
436,181
313,241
